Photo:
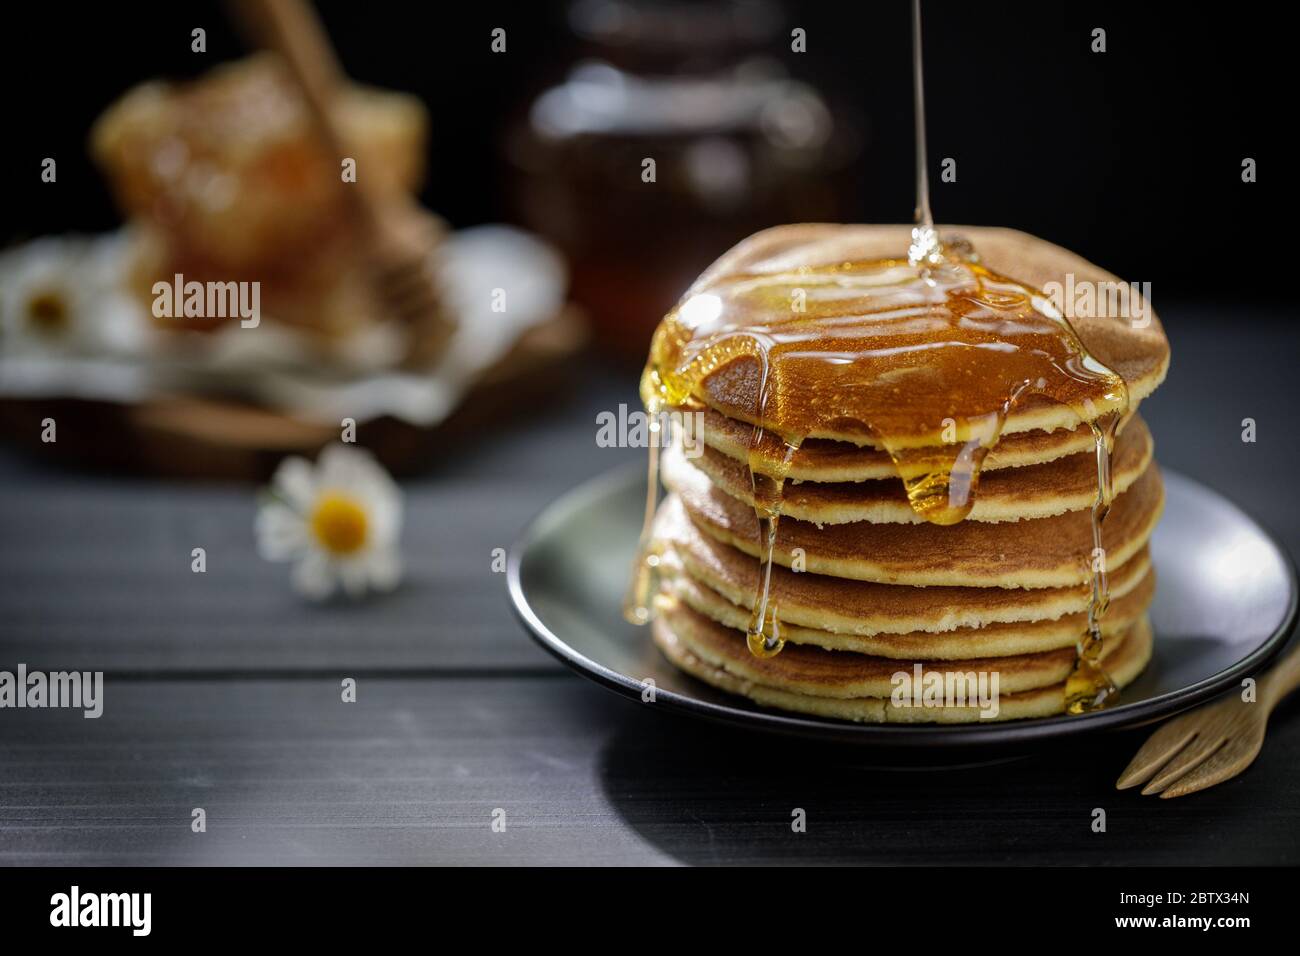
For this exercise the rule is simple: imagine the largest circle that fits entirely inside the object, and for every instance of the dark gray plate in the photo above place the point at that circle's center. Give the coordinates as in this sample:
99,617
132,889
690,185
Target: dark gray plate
1225,603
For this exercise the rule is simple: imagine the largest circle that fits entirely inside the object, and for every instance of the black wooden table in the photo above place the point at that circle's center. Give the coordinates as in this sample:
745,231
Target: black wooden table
223,689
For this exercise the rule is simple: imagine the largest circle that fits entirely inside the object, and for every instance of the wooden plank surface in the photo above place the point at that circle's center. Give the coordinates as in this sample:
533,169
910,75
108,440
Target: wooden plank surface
412,772
95,573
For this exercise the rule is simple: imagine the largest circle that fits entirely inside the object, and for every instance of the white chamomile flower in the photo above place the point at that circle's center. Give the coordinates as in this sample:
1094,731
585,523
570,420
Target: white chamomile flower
338,520
63,295
43,302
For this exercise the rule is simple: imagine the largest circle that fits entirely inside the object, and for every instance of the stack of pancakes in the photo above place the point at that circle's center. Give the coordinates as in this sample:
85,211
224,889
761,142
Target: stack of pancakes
866,590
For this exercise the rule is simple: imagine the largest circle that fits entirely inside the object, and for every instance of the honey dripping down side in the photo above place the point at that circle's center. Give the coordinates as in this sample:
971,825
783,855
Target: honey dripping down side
1089,687
923,359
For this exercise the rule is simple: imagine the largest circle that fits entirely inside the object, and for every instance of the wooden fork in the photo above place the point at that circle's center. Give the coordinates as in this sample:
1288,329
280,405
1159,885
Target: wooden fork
399,236
1208,745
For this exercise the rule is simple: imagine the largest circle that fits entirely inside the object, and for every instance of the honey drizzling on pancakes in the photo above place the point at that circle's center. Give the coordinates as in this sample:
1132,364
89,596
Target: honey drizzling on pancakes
923,356
923,361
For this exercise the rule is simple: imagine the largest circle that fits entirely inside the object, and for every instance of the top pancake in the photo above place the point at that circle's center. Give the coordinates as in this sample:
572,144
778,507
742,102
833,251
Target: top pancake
1137,351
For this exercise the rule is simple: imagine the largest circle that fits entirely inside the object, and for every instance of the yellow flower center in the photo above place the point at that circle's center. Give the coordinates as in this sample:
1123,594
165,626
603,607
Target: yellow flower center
339,523
48,312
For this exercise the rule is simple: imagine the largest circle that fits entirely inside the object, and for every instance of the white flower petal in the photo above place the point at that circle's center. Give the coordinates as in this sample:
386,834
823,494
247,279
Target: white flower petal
334,465
353,469
385,567
294,482
281,533
385,514
344,467
313,576
124,327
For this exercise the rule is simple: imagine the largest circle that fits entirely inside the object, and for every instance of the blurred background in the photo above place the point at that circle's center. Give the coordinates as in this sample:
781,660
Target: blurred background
1131,157
1098,152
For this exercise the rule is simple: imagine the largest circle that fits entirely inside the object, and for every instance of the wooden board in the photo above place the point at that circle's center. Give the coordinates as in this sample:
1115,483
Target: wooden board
198,437
412,772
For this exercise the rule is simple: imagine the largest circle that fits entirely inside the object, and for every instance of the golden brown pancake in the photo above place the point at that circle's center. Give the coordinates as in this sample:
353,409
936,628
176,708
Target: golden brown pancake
719,657
995,640
805,669
821,459
1140,355
867,608
1039,553
1036,491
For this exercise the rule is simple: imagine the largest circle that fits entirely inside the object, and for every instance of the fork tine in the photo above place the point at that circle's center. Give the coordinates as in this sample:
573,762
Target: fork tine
1159,749
1237,754
1188,759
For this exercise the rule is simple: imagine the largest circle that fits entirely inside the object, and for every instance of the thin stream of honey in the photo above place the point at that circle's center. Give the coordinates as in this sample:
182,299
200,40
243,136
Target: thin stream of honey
764,631
636,604
664,387
925,357
1089,687
926,247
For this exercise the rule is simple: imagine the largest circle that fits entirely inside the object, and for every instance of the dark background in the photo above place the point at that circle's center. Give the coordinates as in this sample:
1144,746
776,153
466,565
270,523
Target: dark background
1131,157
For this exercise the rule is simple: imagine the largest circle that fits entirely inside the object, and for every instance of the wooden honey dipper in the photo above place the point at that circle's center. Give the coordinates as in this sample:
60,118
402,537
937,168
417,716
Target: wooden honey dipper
398,236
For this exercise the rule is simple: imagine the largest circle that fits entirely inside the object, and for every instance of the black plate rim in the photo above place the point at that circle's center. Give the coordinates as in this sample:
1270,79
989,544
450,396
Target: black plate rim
882,735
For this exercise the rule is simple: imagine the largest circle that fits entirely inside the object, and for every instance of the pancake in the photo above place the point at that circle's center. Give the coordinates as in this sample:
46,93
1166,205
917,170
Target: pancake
1040,553
822,459
718,657
1035,491
995,640
1138,353
803,669
866,608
